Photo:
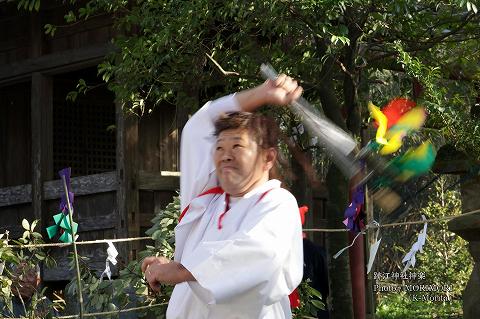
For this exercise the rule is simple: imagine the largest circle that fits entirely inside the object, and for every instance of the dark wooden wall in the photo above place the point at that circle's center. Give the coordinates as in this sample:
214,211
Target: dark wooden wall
158,150
158,136
117,161
24,36
15,135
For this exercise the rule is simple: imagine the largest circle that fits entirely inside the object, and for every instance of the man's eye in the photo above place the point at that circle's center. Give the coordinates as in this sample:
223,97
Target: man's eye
218,148
237,145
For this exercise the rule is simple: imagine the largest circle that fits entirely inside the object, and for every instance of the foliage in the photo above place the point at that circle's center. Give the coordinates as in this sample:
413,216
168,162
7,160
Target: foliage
446,257
445,261
168,49
128,290
399,306
310,301
12,258
163,227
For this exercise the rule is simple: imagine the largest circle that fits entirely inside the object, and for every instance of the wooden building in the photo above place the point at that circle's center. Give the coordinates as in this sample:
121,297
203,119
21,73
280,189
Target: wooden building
124,169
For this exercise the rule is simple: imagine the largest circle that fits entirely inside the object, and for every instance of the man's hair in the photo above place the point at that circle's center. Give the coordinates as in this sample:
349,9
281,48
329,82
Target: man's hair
261,128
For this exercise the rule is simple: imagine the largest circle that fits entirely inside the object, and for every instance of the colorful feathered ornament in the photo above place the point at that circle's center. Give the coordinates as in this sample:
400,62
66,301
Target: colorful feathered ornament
398,125
395,109
410,121
414,162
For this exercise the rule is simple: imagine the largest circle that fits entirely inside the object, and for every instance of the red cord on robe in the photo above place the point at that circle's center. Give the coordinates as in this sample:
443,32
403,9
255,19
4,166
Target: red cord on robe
294,297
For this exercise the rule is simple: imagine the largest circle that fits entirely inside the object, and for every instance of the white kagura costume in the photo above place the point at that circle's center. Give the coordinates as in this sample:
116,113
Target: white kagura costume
246,259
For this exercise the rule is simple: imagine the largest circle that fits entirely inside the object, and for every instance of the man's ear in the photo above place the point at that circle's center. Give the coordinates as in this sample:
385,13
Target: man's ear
270,157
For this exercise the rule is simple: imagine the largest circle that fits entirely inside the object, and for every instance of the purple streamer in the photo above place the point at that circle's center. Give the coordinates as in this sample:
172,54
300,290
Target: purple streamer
66,172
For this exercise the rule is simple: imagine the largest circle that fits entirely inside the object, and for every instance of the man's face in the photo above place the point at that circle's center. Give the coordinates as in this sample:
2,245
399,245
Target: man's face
240,163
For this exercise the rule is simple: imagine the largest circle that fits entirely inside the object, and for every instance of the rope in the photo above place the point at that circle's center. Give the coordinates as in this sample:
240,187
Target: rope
431,221
87,242
326,230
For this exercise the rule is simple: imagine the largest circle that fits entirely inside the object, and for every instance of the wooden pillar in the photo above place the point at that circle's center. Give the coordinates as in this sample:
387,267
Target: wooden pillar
42,141
127,193
370,239
357,270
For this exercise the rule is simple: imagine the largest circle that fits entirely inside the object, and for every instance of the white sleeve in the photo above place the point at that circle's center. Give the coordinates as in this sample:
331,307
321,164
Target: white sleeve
263,259
196,162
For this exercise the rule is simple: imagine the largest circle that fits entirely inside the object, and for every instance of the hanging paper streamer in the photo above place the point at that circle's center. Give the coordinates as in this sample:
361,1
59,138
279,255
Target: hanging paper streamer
374,248
345,248
409,258
354,213
62,223
112,254
66,172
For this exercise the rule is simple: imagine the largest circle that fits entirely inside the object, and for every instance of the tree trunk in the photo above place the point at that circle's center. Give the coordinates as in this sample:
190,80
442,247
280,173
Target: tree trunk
340,299
340,286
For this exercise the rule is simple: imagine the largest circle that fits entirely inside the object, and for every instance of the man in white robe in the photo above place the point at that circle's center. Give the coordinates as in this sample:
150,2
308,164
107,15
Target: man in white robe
238,244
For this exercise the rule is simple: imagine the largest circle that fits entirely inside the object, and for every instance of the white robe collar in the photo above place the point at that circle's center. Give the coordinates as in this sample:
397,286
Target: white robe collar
199,204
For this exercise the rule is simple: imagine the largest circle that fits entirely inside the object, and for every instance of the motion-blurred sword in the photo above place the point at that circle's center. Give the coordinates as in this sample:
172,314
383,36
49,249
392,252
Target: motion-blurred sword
342,147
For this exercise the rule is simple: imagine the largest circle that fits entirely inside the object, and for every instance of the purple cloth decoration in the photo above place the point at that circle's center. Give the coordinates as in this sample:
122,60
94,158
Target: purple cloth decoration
63,199
354,214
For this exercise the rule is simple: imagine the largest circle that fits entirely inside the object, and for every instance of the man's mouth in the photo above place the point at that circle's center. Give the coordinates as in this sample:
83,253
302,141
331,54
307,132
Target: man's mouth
228,168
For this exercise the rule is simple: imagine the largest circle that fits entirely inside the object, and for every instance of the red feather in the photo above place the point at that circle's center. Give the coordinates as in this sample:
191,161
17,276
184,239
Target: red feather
395,109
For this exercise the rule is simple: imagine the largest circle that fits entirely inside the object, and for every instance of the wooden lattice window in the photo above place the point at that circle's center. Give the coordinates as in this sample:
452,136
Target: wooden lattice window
82,139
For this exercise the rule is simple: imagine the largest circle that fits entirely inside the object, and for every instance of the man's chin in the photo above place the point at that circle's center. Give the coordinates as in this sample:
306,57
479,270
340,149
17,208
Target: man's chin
230,187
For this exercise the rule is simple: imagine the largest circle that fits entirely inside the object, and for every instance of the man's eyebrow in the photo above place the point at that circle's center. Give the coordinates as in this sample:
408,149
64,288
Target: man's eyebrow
233,138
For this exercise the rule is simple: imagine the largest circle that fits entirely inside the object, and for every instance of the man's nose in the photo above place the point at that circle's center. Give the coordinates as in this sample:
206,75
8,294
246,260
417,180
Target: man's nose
227,156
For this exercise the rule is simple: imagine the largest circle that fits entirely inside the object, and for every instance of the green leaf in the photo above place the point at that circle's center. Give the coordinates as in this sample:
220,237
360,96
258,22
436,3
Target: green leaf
40,256
318,304
71,96
314,292
25,224
70,17
37,235
32,226
50,29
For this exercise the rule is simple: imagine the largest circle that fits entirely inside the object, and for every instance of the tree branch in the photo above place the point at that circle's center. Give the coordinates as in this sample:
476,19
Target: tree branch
226,73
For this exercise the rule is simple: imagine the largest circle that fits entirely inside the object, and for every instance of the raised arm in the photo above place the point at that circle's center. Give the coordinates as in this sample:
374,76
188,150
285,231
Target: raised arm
196,162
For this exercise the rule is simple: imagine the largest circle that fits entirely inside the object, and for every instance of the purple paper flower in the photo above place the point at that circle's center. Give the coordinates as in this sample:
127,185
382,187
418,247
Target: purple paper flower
354,213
